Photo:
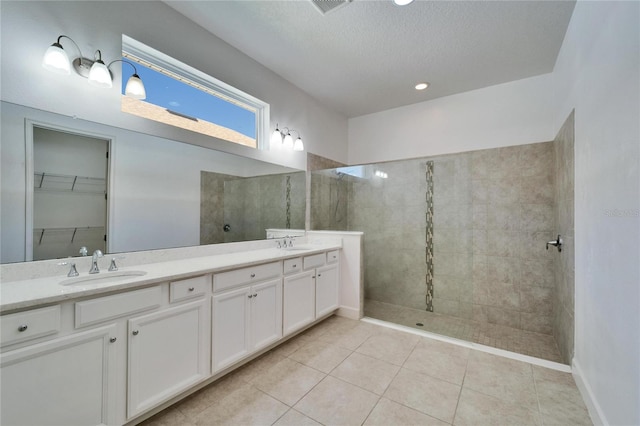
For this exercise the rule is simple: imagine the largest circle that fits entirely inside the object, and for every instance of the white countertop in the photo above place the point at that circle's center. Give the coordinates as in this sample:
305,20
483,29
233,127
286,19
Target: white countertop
17,295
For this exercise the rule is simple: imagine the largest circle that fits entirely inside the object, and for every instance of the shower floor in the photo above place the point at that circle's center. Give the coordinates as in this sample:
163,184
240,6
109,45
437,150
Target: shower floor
511,339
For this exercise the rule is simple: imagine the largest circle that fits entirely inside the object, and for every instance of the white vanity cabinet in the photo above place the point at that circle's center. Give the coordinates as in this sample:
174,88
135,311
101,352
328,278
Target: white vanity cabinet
168,353
311,294
69,380
245,320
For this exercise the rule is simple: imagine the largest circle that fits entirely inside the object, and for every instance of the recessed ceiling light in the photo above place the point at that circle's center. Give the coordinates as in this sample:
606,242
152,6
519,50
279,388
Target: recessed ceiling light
422,86
402,2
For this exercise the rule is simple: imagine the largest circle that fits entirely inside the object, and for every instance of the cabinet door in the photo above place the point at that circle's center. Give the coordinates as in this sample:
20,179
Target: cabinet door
230,327
327,290
66,381
299,296
168,353
266,313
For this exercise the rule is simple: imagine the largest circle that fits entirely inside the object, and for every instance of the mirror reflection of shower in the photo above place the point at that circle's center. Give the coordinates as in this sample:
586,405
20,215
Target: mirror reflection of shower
337,184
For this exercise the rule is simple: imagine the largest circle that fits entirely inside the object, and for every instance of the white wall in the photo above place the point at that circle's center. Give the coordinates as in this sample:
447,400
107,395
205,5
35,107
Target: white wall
513,113
28,28
598,74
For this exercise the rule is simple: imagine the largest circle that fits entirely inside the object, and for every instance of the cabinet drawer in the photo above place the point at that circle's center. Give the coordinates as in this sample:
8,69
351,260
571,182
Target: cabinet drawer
292,265
333,256
314,260
106,308
189,288
246,275
28,325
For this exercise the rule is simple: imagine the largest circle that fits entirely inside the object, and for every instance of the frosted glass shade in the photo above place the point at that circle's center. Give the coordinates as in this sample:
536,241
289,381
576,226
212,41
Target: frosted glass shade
135,88
287,143
276,139
298,145
99,75
56,60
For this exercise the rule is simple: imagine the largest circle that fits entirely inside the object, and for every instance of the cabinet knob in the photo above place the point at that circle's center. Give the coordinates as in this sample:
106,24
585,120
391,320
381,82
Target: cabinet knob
253,275
250,296
295,266
319,275
191,288
113,339
23,327
135,332
255,294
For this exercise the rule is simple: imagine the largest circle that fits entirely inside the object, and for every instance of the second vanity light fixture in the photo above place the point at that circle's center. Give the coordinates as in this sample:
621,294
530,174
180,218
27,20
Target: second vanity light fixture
56,60
281,139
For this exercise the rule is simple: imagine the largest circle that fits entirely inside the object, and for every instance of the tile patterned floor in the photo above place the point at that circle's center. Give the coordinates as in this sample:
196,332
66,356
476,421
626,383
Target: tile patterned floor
511,339
345,372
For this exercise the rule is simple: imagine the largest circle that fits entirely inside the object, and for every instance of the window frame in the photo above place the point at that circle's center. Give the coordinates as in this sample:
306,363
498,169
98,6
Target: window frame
136,49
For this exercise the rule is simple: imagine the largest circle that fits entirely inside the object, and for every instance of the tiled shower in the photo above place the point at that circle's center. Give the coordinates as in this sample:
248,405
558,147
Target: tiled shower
458,242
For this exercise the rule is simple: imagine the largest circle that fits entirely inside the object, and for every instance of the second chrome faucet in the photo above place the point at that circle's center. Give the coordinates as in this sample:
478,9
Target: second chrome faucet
94,262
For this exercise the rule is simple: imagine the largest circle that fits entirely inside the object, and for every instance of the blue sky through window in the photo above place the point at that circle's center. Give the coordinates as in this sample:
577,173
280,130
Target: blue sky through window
183,98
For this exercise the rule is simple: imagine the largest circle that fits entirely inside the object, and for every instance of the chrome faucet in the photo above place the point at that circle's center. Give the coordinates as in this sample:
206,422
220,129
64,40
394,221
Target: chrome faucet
94,262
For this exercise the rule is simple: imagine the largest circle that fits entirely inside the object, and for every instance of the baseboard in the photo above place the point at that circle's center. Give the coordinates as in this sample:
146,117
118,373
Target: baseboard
595,412
347,312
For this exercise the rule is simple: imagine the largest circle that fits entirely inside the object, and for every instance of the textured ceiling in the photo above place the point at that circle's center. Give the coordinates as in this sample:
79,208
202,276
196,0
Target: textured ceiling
366,56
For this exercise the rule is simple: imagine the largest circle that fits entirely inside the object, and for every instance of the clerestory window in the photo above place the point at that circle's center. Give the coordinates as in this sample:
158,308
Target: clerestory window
181,96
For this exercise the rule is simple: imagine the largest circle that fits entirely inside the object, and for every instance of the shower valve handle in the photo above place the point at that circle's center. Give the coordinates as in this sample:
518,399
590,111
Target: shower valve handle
557,243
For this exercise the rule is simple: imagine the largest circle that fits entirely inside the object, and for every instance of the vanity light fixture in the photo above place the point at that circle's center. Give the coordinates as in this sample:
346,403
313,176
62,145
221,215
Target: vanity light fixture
280,139
98,74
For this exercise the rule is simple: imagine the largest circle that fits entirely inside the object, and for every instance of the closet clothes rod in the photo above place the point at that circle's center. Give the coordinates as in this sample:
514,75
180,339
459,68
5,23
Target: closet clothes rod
73,231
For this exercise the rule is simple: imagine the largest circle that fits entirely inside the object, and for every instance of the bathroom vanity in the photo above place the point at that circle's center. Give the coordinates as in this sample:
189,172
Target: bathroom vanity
115,347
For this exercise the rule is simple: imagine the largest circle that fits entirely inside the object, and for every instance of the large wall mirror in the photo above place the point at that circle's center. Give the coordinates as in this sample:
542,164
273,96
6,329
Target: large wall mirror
159,193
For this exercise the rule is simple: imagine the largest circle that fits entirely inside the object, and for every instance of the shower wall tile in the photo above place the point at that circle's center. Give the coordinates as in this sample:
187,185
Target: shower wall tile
537,323
537,300
502,316
538,273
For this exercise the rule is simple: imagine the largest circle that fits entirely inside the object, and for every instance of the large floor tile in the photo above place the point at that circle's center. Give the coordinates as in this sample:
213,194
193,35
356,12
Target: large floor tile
206,397
334,402
559,398
288,381
439,359
349,338
479,409
321,356
245,406
503,378
369,373
254,368
427,394
391,346
387,413
169,417
295,418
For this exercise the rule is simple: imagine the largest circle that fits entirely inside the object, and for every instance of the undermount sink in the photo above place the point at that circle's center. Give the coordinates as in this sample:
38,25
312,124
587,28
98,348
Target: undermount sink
102,278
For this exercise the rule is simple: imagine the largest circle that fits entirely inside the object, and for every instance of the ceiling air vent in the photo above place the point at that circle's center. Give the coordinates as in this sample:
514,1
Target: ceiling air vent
326,6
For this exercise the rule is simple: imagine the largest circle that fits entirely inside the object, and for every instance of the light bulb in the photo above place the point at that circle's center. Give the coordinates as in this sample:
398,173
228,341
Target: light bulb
56,60
135,88
99,75
287,143
298,145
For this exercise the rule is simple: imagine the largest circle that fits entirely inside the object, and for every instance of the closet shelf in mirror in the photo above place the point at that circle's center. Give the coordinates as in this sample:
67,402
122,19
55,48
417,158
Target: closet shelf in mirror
96,232
69,183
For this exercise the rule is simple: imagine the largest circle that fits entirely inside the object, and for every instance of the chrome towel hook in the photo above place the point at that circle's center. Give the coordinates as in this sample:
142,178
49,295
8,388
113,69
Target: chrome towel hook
557,243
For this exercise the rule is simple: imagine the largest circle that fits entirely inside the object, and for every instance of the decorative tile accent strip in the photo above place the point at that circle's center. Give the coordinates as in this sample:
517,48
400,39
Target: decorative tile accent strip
429,234
288,197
